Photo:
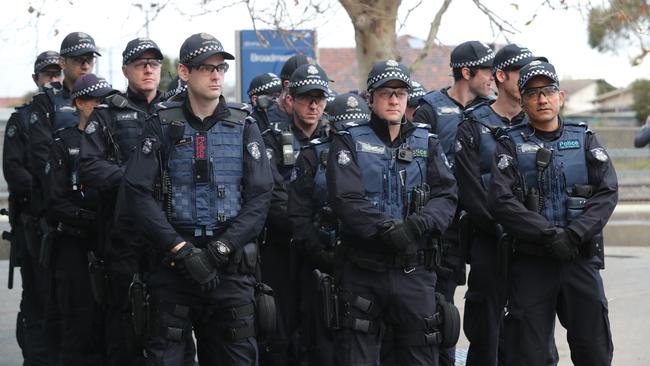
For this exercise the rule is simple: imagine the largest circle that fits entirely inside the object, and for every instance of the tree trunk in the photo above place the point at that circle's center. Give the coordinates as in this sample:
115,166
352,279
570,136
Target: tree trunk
374,24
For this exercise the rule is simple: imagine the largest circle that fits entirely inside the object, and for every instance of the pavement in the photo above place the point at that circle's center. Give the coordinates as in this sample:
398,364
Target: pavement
626,285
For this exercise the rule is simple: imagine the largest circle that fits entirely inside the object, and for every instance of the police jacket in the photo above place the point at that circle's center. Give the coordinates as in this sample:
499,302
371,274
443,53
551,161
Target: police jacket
577,158
475,146
52,110
110,135
71,203
15,154
368,185
189,176
444,114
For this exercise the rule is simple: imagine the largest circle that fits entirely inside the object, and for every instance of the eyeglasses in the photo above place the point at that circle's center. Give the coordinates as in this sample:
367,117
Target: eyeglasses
208,69
142,63
309,99
387,93
49,74
80,60
547,91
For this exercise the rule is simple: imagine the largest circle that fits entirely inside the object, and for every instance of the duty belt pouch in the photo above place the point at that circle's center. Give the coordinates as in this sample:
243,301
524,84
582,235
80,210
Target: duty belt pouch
248,263
575,206
98,278
265,311
450,321
595,247
329,302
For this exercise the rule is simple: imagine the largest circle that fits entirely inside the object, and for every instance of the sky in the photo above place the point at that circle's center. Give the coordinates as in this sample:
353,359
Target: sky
560,35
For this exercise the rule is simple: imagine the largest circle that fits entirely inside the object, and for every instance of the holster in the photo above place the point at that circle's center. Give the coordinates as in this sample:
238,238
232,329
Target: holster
449,321
47,243
265,310
504,250
33,234
140,310
244,260
595,247
98,278
329,302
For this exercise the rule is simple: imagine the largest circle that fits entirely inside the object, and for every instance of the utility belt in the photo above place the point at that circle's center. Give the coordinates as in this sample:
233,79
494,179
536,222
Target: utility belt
427,257
588,250
244,260
441,328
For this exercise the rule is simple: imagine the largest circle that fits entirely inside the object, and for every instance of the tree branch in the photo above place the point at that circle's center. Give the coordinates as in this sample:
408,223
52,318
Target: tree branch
433,33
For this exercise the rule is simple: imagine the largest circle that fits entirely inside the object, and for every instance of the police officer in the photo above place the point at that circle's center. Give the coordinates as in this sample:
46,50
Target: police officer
72,210
553,188
474,152
315,228
106,146
264,90
307,93
52,109
201,182
417,92
444,109
391,187
15,165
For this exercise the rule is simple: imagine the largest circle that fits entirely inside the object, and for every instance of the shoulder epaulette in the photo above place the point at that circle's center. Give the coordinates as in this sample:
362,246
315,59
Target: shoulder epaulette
422,125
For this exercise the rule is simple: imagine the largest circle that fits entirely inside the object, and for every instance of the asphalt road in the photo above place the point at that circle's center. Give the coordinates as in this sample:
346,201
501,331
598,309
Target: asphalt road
626,285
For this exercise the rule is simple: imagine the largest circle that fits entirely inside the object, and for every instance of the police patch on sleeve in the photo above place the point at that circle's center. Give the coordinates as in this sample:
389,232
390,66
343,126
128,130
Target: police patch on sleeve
504,161
600,154
11,131
48,167
33,118
343,158
147,146
91,127
254,149
459,146
269,153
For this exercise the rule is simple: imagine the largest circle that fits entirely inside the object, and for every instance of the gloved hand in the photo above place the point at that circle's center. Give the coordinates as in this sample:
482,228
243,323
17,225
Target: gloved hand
563,245
219,253
401,236
195,265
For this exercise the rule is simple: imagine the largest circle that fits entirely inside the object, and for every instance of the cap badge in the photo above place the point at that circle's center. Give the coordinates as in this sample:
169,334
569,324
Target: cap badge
352,102
392,63
206,36
82,35
536,62
312,70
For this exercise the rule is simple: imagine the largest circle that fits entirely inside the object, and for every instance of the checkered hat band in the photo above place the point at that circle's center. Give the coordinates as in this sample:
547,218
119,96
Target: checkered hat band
390,75
480,61
264,87
202,50
299,83
46,62
417,94
350,117
77,47
523,79
90,89
145,46
512,60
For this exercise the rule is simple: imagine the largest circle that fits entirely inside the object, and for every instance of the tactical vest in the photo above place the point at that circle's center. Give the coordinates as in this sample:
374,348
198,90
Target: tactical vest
128,122
65,114
78,194
448,116
567,167
487,122
388,181
204,172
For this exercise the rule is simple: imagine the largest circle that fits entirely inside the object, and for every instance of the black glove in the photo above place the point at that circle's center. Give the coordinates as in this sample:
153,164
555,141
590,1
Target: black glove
401,236
195,265
219,253
563,245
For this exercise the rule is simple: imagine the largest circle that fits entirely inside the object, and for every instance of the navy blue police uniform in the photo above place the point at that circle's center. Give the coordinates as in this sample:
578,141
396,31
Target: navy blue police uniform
383,278
553,192
315,227
207,183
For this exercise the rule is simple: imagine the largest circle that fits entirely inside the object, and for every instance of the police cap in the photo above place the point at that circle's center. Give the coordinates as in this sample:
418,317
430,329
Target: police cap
537,68
292,64
199,47
385,71
45,59
472,54
136,47
348,107
91,85
77,44
513,57
416,93
265,84
308,77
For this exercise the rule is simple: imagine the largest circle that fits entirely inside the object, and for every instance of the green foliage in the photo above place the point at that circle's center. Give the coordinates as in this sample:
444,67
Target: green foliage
641,94
167,72
622,23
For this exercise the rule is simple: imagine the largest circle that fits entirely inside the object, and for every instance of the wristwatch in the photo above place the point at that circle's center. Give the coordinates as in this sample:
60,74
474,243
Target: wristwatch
222,248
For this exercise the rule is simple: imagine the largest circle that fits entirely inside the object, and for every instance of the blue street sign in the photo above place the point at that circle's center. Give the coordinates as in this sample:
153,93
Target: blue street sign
266,51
